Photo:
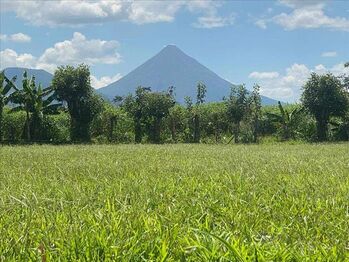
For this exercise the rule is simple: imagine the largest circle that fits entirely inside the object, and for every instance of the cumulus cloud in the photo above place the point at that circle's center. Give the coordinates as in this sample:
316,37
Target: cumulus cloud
287,86
76,13
10,58
104,80
19,38
65,12
264,75
75,51
329,54
80,50
302,3
305,14
153,11
261,23
213,21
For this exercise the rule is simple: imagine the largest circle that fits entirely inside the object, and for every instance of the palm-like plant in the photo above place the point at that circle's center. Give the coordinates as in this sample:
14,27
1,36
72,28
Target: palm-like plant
340,127
5,87
36,102
286,120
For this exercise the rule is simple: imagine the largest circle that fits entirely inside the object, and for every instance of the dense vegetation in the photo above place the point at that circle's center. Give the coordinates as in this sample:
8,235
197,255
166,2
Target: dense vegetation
70,111
174,202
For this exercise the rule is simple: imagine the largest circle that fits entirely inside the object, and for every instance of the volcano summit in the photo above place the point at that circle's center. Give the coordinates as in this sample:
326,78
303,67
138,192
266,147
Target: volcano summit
172,67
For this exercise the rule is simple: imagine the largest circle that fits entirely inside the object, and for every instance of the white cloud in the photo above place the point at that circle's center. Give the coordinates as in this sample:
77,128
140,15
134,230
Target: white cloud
75,51
302,3
153,11
306,14
19,38
104,80
213,21
9,58
261,23
80,50
287,86
310,18
65,12
329,54
264,75
75,13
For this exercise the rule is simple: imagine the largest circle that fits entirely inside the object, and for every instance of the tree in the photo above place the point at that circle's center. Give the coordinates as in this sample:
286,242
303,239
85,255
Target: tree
147,110
255,108
177,115
5,87
213,119
288,121
346,78
106,122
73,87
237,105
200,99
134,106
324,96
157,107
36,102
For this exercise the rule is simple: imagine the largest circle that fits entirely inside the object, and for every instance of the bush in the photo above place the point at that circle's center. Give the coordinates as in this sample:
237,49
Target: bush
13,126
112,124
56,128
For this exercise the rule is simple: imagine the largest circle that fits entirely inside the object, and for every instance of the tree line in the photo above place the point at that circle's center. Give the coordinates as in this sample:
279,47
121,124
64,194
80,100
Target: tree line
69,111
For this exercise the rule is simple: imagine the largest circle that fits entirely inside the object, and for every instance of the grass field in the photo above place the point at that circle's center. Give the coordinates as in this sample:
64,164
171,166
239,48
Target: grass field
175,202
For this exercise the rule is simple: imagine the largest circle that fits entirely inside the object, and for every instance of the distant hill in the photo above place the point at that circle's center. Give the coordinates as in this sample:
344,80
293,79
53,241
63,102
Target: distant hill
172,67
41,76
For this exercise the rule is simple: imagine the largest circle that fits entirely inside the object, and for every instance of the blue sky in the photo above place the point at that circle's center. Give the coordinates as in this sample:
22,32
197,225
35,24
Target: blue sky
274,43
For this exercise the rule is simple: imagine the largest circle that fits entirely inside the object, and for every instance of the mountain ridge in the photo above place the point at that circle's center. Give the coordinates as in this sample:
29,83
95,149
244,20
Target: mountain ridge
172,67
41,76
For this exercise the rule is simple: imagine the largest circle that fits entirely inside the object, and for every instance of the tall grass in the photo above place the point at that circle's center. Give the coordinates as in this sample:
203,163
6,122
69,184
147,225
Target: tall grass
175,202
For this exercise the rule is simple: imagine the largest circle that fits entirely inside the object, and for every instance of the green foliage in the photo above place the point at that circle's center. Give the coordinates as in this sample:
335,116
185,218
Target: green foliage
112,125
288,121
346,78
36,102
148,109
13,125
255,111
214,121
56,128
5,87
154,117
340,128
134,105
324,96
201,91
72,86
174,203
156,108
244,108
200,99
177,123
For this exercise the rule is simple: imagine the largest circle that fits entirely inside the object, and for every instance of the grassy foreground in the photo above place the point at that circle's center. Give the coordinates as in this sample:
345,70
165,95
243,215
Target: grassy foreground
175,202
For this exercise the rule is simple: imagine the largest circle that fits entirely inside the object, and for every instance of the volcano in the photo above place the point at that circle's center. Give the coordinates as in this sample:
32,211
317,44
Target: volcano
172,67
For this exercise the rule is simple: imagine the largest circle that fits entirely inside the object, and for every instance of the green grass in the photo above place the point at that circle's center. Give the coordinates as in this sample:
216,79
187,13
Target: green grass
175,202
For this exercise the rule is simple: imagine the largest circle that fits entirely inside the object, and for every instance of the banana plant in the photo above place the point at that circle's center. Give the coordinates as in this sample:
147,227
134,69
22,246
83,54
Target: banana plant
36,102
286,120
340,127
5,87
